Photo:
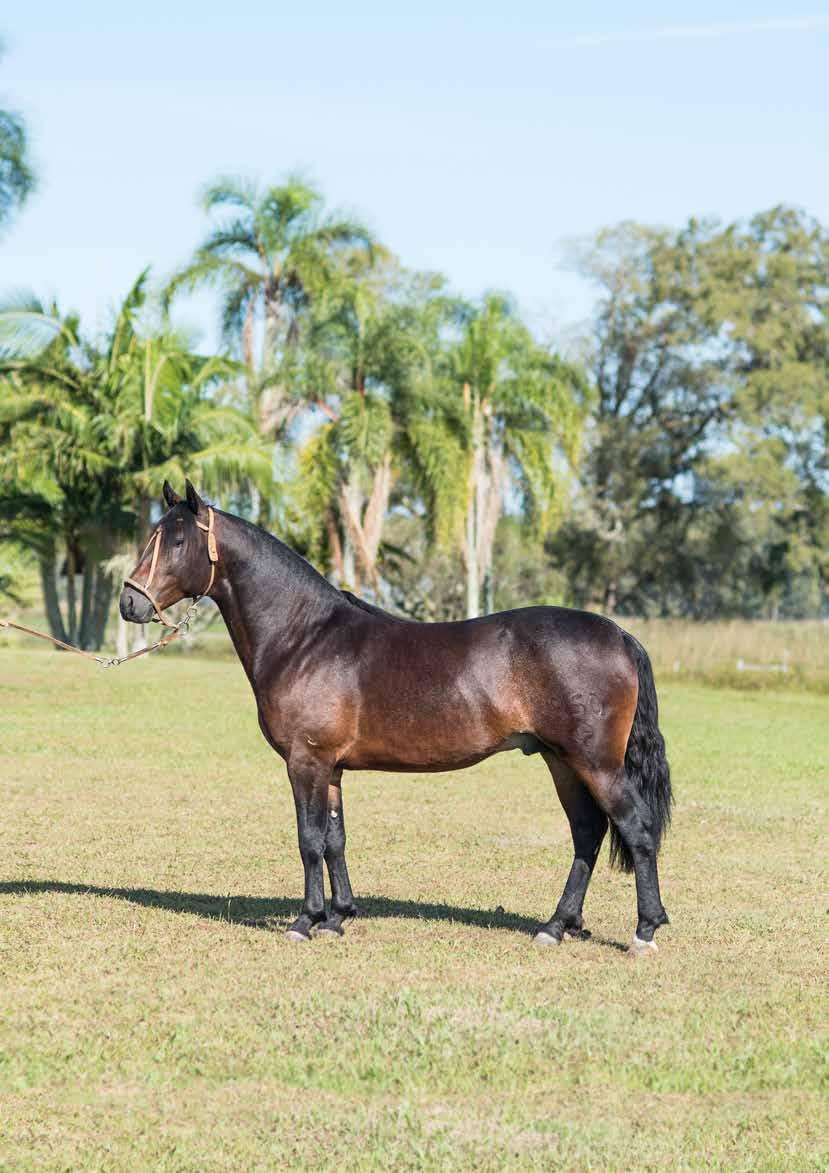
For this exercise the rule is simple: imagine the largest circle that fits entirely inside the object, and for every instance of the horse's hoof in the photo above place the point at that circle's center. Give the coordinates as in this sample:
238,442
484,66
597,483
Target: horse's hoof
579,934
296,935
640,948
542,938
329,931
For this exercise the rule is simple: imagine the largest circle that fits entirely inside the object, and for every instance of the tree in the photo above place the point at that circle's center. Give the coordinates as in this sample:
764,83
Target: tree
512,414
708,342
773,284
89,429
56,485
659,396
273,250
16,175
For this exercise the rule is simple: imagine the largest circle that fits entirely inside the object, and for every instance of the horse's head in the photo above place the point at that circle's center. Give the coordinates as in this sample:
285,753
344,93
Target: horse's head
177,562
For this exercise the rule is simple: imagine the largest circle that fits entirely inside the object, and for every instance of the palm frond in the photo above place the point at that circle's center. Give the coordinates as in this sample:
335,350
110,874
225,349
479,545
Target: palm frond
440,466
124,329
28,327
230,191
316,485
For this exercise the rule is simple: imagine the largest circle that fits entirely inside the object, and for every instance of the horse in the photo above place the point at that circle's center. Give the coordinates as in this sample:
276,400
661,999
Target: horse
343,685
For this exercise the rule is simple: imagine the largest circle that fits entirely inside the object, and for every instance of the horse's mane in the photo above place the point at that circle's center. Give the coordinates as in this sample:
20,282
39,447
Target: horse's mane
267,545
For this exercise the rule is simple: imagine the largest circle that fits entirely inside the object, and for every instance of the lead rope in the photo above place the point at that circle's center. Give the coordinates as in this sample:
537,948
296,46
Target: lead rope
175,628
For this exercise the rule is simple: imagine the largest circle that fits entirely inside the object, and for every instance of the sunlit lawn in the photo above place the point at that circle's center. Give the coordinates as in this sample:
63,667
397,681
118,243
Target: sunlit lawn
152,1015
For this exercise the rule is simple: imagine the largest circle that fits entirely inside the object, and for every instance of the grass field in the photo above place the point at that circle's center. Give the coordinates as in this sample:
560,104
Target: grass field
152,1016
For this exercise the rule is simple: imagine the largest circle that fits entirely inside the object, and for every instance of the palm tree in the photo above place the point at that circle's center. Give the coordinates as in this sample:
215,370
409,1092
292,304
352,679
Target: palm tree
365,358
510,420
16,175
88,432
272,251
174,411
56,480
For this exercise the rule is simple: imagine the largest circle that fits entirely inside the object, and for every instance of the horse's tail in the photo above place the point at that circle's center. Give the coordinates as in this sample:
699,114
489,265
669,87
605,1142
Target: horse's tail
645,762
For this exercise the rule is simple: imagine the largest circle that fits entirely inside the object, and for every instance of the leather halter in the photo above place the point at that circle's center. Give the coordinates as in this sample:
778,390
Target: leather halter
155,541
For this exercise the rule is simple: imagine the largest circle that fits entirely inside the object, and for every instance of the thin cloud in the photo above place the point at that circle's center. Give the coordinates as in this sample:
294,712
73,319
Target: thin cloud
693,32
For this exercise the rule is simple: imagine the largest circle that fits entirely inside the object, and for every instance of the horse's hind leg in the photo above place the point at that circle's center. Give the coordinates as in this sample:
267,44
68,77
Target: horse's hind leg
342,897
588,824
631,818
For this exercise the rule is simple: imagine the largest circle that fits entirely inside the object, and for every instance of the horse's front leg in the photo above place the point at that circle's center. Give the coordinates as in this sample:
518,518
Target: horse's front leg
342,897
310,780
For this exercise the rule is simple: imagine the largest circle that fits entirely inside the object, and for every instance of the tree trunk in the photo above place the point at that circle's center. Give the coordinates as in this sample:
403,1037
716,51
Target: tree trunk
350,578
486,494
473,533
473,596
49,585
247,342
101,606
363,528
335,548
351,504
270,334
375,515
258,508
71,603
492,503
89,568
489,592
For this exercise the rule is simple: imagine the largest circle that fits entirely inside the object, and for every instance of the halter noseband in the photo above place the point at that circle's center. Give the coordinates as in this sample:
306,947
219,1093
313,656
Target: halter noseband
155,540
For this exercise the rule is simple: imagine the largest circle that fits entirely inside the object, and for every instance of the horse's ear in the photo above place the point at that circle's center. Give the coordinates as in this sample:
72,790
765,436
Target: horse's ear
193,499
171,497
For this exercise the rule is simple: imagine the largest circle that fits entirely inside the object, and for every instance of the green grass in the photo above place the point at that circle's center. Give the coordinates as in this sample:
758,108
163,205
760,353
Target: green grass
151,1017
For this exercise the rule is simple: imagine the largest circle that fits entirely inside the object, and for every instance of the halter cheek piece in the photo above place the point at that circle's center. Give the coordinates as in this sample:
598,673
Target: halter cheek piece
155,541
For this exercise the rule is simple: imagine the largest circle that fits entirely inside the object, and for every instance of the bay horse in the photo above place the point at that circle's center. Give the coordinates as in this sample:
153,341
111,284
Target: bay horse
343,685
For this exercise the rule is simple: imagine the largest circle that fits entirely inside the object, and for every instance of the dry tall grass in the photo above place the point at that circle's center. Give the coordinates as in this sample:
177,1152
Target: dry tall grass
740,652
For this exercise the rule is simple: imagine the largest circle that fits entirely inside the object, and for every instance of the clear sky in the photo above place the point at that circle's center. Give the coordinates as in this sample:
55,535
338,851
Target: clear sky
474,137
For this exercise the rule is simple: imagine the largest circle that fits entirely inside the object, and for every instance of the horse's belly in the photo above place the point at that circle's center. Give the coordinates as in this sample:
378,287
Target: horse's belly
454,738
409,760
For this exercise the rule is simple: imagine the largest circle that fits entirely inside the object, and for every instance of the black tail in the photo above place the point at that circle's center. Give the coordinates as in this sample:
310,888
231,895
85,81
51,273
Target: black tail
645,761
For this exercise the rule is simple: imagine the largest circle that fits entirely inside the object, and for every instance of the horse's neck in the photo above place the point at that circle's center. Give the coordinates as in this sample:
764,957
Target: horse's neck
267,594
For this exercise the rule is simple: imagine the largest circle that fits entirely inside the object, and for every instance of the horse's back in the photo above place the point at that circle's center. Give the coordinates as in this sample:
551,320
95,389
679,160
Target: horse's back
550,630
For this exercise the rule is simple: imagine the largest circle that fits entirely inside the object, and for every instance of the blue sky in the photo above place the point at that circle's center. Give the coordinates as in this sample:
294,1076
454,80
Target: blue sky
474,137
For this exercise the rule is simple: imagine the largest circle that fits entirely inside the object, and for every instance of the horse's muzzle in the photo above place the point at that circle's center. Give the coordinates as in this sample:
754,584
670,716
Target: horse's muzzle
134,606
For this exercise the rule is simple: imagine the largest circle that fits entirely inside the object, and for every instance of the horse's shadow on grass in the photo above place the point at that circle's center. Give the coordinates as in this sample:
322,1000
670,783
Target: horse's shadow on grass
274,914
